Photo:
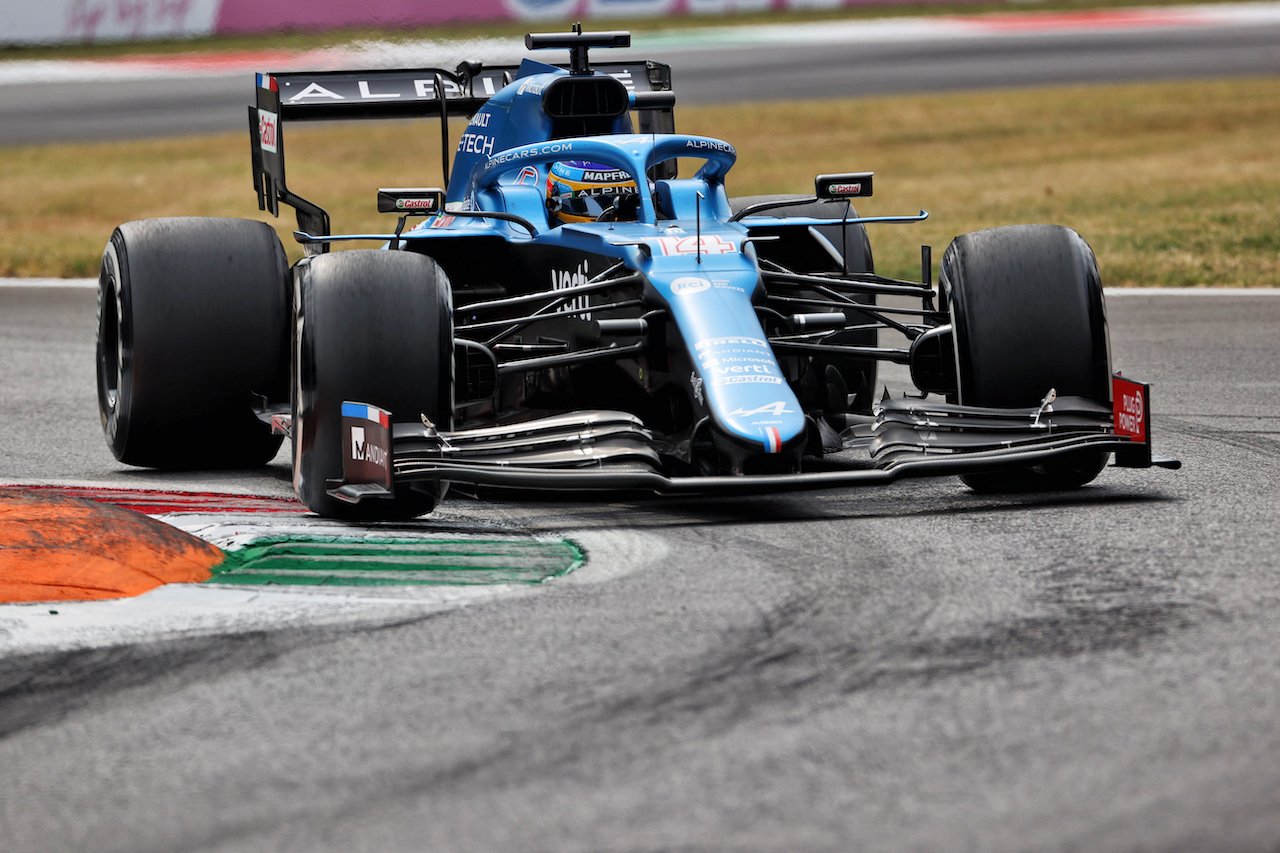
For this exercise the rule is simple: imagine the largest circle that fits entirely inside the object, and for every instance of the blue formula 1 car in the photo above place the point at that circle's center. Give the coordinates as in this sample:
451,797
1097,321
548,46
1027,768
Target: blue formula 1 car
570,313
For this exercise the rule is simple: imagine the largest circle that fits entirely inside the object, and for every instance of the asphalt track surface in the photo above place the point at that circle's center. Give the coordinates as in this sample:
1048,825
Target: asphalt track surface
915,668
830,65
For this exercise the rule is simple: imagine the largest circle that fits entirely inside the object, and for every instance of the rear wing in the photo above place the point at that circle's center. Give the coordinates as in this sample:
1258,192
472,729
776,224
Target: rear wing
401,93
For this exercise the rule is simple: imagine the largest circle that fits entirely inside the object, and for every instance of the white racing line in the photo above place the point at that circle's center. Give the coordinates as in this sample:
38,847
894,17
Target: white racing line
48,282
447,53
190,610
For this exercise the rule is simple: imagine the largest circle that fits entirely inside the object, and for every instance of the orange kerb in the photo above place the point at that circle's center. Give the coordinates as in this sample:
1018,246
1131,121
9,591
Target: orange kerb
56,548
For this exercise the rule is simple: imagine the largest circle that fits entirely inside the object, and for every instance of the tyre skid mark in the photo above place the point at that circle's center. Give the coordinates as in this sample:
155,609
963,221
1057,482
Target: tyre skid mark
161,501
1262,441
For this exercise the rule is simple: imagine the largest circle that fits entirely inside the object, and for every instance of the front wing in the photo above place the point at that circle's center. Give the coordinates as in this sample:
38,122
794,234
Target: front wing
612,451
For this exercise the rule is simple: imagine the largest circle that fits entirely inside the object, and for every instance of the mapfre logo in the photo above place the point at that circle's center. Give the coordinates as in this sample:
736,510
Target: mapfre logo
268,131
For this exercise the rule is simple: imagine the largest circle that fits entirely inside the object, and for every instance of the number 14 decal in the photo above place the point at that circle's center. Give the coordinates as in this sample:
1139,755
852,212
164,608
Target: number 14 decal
711,245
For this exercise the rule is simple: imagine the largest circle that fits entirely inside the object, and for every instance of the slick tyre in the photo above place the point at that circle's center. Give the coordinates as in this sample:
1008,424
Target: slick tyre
1028,316
826,253
374,327
192,326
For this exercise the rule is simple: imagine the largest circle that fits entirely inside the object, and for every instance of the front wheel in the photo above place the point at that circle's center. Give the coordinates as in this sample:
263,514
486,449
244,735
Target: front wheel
1028,316
192,327
372,326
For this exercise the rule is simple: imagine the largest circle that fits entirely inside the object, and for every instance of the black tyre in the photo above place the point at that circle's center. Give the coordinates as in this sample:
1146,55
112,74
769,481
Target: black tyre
1028,316
375,327
192,324
808,255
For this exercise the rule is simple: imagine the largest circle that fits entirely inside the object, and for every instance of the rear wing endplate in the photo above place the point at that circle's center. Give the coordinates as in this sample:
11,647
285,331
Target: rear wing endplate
401,93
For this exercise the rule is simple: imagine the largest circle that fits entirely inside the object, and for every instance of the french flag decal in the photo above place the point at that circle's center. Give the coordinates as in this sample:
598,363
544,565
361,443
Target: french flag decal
772,440
266,81
368,413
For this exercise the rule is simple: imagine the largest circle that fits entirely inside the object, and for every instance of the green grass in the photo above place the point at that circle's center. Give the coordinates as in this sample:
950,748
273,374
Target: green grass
1173,184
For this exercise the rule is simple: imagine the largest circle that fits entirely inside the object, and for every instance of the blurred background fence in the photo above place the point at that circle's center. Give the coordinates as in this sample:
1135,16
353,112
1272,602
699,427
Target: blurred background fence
87,21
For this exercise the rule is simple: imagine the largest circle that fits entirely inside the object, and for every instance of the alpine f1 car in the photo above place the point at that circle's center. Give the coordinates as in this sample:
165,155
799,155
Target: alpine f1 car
568,312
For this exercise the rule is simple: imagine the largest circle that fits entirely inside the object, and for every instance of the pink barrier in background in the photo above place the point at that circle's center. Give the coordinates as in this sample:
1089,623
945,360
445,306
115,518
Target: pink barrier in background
246,16
243,16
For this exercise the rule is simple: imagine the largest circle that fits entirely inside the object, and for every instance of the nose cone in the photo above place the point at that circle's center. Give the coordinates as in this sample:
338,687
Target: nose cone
735,371
746,392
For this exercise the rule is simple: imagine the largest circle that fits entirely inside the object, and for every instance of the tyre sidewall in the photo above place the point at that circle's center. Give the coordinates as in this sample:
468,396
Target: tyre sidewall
114,361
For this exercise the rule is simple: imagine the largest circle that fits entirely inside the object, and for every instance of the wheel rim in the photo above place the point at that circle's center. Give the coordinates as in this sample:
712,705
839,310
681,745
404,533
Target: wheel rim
110,346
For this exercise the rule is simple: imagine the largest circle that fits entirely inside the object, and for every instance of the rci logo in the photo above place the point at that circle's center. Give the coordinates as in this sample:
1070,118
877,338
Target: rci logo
689,284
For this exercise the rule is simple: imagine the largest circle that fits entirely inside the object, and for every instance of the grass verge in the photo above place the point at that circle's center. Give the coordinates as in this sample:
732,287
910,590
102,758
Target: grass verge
1173,184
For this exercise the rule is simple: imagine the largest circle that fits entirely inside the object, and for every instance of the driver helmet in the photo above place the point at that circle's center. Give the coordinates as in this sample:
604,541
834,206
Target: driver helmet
579,191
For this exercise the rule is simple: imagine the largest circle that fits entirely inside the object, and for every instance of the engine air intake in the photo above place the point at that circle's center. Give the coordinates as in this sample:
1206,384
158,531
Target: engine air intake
585,98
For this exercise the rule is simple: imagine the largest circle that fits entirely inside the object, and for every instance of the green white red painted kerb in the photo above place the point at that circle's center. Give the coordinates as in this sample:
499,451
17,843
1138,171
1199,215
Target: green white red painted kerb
272,541
347,561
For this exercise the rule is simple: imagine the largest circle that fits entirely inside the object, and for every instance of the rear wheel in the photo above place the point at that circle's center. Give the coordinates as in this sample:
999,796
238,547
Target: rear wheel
835,248
192,325
1028,316
375,327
